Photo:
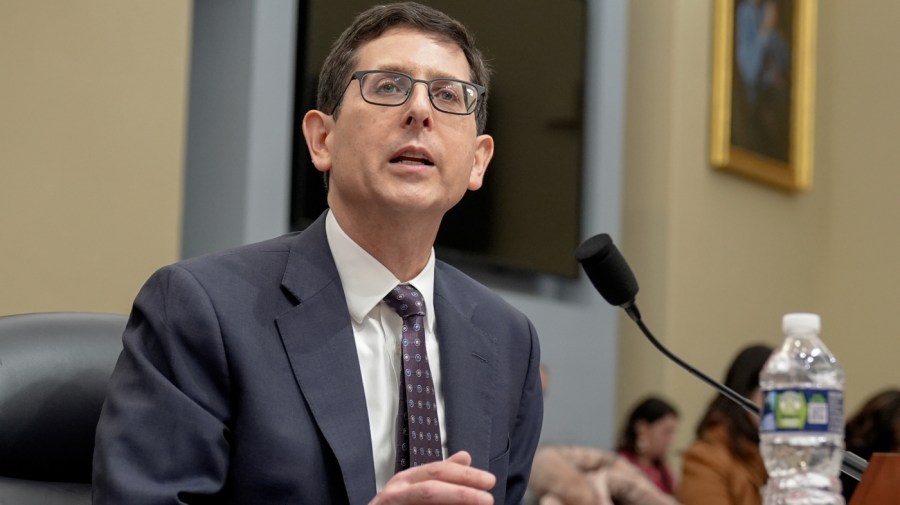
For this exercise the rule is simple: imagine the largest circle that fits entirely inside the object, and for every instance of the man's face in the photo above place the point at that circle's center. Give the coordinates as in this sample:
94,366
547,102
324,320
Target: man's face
390,160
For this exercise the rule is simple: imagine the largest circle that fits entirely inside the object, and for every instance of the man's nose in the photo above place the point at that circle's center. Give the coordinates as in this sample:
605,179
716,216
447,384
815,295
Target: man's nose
419,107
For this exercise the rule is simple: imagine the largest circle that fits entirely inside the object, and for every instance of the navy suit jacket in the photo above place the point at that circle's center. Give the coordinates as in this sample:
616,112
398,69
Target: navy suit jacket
239,383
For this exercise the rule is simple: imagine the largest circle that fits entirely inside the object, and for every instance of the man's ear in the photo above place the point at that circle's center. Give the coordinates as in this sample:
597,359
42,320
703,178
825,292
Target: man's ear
317,127
484,151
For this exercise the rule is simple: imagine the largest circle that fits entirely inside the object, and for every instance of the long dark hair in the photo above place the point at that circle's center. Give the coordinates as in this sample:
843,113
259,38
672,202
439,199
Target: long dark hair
650,410
743,378
876,426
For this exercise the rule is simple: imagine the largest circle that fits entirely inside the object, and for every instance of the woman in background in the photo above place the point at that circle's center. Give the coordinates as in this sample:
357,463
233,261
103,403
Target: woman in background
646,439
723,466
580,475
874,428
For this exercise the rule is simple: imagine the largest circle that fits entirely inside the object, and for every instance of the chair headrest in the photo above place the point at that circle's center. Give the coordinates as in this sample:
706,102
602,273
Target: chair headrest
54,368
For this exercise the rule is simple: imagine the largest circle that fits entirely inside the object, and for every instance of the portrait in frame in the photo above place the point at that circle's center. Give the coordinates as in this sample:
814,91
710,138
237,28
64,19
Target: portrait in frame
763,92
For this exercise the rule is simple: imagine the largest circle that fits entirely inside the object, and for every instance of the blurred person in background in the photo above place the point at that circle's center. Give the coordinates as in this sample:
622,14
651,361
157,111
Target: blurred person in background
579,475
646,439
874,428
723,466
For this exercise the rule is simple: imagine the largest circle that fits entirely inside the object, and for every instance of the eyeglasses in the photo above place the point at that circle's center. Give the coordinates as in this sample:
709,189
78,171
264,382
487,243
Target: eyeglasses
390,89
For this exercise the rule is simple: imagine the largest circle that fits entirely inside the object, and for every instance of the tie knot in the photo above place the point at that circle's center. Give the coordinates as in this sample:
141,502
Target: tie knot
406,301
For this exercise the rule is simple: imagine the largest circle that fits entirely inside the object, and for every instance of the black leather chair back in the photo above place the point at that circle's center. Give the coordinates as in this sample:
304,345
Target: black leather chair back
54,368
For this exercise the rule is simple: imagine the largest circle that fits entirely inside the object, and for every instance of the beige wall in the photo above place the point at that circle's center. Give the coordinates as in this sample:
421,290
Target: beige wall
721,258
93,99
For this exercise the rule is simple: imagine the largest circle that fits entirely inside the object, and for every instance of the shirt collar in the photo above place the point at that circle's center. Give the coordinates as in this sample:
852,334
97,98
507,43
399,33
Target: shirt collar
365,280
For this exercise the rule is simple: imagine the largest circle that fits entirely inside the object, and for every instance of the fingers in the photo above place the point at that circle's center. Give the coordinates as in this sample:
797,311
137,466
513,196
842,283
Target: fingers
461,457
433,492
449,482
456,469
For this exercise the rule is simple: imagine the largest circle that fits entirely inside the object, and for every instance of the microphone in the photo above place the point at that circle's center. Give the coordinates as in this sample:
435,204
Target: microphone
612,277
609,273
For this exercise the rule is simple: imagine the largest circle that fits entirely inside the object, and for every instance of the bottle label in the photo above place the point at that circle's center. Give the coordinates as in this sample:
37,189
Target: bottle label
819,410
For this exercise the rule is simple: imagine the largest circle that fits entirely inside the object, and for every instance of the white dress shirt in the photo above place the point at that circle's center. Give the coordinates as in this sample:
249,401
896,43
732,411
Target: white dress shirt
376,329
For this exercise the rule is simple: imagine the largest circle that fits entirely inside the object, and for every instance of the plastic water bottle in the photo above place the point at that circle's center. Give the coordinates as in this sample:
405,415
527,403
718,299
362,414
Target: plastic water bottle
802,423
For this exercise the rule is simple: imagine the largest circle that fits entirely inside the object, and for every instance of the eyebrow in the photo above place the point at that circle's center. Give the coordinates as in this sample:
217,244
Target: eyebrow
428,75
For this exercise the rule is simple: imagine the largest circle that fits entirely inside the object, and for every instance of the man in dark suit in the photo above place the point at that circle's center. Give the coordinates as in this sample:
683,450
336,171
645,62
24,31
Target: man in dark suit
273,373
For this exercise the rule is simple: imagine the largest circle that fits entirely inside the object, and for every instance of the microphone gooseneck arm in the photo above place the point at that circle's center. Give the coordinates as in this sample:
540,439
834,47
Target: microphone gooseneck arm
853,465
612,277
725,390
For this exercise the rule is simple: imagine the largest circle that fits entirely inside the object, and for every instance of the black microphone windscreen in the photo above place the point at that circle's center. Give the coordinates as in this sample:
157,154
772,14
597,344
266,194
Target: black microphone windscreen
607,269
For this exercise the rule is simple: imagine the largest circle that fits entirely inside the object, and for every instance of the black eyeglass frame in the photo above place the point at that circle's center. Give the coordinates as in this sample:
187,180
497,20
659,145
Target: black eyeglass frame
358,76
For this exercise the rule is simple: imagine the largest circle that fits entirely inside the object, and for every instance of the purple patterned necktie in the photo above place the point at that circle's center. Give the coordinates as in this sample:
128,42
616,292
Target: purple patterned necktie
418,434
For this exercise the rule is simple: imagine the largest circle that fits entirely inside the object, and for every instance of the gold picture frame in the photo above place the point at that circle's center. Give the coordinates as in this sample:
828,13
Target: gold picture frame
763,90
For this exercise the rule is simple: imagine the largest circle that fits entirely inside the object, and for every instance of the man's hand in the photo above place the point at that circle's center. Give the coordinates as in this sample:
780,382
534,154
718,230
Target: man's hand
451,482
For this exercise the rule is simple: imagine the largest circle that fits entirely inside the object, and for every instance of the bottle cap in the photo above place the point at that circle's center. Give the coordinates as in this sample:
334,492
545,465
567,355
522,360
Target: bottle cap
801,321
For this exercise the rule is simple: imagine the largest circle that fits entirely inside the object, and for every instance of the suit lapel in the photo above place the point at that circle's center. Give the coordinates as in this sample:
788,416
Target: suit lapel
318,338
467,373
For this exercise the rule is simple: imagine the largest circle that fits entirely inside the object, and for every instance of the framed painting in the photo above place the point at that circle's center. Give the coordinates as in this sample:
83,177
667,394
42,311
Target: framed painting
763,90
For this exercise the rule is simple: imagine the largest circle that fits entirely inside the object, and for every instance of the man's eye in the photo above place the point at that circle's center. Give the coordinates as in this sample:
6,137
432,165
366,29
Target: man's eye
387,87
447,94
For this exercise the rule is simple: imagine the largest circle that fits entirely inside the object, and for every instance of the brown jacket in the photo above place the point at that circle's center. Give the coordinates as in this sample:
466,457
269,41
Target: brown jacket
713,475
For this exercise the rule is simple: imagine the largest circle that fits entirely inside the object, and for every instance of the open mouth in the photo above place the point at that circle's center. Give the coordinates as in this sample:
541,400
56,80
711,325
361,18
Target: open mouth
412,160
